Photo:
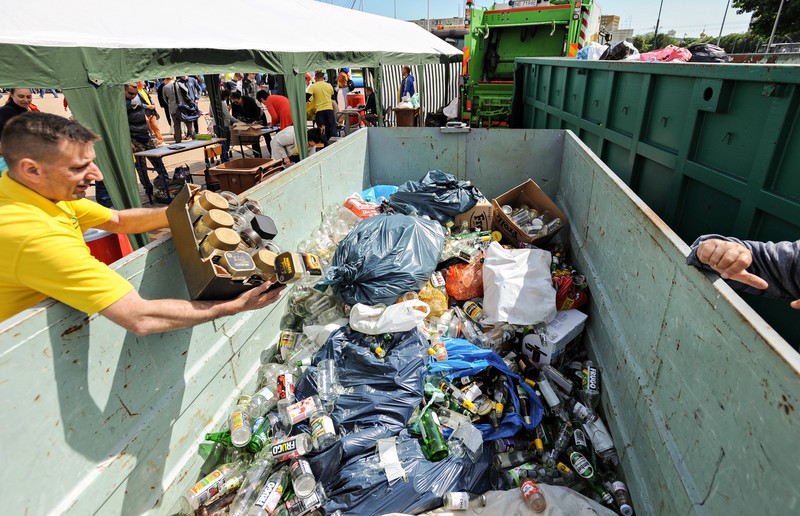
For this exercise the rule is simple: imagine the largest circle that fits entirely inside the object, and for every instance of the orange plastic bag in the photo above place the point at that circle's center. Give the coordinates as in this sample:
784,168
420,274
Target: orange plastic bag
465,280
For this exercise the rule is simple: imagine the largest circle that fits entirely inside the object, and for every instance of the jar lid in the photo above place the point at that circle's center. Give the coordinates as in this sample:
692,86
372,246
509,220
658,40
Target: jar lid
265,260
212,201
225,239
218,219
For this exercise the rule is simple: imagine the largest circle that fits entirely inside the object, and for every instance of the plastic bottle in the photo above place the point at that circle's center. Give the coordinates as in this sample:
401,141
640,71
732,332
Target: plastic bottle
240,423
262,402
208,487
622,497
323,433
461,501
253,482
291,447
270,496
533,496
437,350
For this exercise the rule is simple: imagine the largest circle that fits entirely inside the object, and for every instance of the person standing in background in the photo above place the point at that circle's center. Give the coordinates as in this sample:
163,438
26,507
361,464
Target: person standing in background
152,114
407,84
321,96
162,101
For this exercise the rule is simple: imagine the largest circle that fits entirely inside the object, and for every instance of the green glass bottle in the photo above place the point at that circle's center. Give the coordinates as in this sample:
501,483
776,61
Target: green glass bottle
433,444
261,436
220,437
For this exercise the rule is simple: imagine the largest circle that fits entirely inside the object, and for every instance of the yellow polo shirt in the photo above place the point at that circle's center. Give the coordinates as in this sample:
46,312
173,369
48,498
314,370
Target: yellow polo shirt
321,93
44,255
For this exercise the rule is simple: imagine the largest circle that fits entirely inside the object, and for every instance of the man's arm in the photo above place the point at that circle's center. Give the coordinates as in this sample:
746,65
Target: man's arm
145,317
136,220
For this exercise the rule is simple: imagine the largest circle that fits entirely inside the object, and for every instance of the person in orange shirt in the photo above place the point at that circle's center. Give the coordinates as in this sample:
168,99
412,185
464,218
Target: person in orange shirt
280,112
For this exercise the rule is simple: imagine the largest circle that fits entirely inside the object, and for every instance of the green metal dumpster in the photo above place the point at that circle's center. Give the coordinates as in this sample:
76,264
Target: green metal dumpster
700,393
712,148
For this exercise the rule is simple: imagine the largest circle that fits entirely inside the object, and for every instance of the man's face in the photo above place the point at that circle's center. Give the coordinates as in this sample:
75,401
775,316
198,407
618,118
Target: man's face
68,175
22,97
238,101
130,93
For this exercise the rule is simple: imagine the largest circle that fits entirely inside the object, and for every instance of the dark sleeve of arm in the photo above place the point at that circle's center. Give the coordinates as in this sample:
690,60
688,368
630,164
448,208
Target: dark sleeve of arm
778,263
371,104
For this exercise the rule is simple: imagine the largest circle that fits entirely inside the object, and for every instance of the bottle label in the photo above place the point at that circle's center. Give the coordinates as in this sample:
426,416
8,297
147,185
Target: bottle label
287,340
257,423
207,482
285,386
321,426
301,410
239,419
529,489
285,449
473,310
300,467
303,505
563,468
459,501
437,280
266,393
591,379
581,465
581,411
617,485
270,496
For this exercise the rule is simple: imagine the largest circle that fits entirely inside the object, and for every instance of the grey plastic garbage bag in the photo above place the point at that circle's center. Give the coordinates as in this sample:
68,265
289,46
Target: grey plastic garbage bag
438,195
707,53
360,486
384,257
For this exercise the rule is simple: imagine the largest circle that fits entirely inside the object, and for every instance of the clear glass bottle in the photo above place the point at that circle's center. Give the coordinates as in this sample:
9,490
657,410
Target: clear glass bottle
212,220
533,496
249,209
461,501
303,480
219,241
233,200
240,423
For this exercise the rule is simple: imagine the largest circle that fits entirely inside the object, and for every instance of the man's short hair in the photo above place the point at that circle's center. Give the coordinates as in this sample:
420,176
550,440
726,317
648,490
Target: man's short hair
314,135
368,88
37,136
407,69
319,74
261,95
236,94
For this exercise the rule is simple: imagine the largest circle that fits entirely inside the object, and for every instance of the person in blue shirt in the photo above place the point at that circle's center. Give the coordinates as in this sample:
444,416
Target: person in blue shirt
407,84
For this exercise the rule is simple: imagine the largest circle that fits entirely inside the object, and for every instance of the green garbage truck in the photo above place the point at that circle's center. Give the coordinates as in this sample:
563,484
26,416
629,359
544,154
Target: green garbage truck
525,28
701,395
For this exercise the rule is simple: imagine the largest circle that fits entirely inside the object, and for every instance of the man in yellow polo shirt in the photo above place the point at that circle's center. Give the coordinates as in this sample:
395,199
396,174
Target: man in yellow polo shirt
321,95
45,213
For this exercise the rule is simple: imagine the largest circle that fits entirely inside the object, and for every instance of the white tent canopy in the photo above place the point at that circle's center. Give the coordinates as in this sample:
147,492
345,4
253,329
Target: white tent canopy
90,48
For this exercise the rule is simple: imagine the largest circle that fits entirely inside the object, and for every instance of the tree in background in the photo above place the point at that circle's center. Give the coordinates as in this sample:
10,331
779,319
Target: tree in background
764,12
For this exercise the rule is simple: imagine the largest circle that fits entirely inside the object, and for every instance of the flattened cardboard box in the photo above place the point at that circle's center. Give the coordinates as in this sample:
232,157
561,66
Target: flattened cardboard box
480,216
530,194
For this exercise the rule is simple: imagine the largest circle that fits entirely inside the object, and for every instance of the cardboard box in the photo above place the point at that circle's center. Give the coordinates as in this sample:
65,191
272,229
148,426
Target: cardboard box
562,330
530,194
480,216
201,280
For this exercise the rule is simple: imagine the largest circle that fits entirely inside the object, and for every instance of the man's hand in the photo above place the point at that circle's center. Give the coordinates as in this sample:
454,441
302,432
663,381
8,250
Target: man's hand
730,260
258,297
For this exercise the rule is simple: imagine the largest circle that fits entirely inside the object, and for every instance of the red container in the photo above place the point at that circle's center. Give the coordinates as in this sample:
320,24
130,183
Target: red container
354,100
107,247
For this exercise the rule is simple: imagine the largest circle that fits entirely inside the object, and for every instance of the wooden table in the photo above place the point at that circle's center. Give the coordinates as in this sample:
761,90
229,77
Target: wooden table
156,158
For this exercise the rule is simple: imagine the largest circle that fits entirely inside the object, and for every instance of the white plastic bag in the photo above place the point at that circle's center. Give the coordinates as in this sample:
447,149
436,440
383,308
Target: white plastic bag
517,286
595,50
378,319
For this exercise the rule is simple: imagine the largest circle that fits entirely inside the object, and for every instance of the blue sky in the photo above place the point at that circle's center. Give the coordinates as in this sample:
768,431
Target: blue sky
684,16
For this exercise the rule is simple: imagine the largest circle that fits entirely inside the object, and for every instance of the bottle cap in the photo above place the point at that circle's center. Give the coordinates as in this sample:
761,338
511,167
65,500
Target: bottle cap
224,239
218,219
380,351
497,236
265,261
212,201
469,405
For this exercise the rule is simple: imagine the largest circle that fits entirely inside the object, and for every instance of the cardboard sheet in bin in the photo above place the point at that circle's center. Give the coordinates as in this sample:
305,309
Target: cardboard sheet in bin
530,194
238,175
201,281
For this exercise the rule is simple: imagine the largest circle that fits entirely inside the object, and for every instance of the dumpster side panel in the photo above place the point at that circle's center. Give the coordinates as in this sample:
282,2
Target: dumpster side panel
701,392
712,148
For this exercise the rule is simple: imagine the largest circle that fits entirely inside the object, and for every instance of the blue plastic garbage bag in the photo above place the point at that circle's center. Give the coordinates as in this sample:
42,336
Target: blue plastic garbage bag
384,257
360,486
378,193
464,359
438,195
379,394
